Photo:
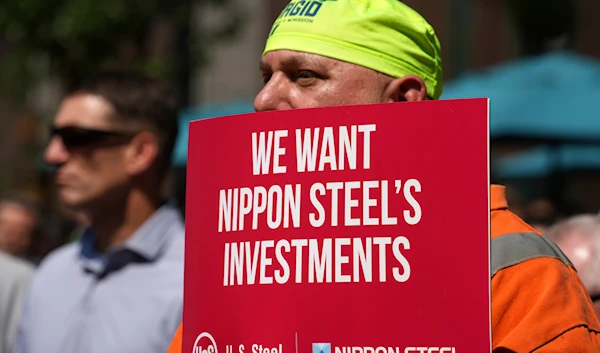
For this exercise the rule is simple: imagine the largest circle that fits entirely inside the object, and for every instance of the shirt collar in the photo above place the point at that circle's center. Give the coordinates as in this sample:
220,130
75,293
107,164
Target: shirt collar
498,197
151,238
148,240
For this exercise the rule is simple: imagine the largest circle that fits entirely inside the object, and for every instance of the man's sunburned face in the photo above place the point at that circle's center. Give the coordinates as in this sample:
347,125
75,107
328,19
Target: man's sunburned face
300,80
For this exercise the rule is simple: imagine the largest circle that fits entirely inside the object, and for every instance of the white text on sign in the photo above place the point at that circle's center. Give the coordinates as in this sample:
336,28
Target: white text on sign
329,260
281,205
315,149
344,203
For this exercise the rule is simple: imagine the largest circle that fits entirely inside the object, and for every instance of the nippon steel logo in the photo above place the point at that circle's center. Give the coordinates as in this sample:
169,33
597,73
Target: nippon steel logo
321,348
205,343
326,348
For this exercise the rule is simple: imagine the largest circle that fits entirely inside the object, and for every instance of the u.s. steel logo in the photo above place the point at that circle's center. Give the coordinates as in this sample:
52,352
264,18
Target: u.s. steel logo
205,343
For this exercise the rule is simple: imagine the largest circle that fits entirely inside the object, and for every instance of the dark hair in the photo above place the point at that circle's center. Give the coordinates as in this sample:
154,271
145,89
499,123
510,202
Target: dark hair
138,98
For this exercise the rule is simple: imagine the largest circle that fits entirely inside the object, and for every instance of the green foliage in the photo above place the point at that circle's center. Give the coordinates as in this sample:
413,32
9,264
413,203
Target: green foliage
75,37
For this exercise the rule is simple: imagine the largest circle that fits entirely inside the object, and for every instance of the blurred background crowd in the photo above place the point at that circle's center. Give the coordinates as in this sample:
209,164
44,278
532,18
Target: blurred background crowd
538,60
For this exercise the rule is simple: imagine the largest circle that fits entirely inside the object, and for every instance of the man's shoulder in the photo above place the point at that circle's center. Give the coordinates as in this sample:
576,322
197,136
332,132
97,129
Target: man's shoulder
515,243
537,300
505,222
537,295
177,244
171,266
65,254
176,233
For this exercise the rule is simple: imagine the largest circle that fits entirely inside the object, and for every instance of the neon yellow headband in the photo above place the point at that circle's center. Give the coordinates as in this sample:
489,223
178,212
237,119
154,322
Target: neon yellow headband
384,35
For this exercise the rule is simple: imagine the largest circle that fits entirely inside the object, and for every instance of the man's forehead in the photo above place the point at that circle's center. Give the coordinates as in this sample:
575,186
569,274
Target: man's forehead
288,59
84,109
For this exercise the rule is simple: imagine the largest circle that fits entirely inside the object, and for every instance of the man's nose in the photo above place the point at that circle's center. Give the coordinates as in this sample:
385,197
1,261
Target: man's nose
273,96
56,152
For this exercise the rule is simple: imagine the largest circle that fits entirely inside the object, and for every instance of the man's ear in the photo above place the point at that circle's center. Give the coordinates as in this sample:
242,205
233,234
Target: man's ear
142,153
410,88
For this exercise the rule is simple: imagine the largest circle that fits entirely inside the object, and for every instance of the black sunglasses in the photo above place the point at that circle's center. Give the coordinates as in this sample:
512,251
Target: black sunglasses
595,297
74,136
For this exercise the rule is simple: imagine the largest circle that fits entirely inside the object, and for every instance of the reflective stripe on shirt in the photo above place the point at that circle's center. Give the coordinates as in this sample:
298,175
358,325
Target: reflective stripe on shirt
513,249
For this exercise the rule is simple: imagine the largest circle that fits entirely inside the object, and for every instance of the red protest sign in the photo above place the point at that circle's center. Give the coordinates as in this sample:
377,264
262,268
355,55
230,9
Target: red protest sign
361,229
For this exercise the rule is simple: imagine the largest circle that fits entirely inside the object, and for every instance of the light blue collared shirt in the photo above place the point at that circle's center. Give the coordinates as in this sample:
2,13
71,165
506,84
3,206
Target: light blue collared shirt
128,301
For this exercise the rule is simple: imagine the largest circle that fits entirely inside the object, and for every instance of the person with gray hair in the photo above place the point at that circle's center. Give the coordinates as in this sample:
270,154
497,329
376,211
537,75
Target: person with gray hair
579,238
19,221
15,277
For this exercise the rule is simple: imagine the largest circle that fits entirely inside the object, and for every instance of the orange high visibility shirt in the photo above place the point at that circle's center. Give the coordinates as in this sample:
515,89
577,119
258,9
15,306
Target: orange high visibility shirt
538,304
177,341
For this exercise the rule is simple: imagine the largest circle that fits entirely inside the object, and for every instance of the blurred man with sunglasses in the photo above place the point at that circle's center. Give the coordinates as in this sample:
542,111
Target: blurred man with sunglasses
119,288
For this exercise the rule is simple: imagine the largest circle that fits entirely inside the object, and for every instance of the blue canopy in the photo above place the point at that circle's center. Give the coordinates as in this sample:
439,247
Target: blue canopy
545,160
203,112
548,97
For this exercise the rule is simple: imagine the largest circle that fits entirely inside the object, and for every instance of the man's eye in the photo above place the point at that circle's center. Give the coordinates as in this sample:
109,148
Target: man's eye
306,77
304,74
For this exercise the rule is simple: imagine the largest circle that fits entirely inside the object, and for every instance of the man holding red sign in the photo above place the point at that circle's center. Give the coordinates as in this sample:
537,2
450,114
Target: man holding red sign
346,52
